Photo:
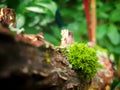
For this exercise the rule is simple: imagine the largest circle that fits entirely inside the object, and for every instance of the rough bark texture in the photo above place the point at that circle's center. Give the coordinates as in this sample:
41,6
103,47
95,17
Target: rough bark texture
30,63
24,66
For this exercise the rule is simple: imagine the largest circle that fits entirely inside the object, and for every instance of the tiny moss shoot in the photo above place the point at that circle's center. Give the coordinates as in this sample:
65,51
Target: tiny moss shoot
83,60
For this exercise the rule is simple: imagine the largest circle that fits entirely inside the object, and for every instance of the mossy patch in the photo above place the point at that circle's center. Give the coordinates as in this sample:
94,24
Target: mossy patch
83,60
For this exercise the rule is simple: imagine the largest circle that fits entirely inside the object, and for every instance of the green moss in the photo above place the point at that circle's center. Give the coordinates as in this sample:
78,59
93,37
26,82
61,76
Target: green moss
83,60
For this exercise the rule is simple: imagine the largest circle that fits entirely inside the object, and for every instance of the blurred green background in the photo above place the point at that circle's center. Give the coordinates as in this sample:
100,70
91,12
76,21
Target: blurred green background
40,16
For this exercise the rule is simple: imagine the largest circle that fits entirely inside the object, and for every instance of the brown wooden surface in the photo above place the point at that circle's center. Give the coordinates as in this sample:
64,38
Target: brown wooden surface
25,67
28,62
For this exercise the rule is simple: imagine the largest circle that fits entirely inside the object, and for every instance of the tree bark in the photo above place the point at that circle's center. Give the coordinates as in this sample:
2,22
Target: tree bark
28,65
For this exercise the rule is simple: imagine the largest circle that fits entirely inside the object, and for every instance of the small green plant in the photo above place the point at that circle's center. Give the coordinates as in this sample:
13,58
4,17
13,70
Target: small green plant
83,60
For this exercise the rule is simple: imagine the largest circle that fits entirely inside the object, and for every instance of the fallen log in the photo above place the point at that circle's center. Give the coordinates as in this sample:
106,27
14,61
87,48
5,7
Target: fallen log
28,62
25,65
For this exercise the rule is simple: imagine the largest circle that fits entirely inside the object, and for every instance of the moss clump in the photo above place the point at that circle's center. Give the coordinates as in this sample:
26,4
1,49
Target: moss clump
83,60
